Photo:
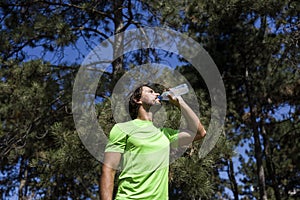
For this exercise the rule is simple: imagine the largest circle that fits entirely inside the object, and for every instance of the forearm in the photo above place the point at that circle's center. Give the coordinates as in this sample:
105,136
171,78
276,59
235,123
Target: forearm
193,122
107,183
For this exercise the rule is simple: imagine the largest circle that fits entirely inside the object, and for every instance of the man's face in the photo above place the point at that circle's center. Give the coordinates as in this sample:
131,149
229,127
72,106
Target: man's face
149,97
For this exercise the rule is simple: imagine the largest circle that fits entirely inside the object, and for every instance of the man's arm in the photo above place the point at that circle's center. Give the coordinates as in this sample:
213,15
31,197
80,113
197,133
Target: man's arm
195,130
109,167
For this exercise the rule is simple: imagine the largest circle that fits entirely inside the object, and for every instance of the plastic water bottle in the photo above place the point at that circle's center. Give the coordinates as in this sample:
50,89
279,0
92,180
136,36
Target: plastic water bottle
175,91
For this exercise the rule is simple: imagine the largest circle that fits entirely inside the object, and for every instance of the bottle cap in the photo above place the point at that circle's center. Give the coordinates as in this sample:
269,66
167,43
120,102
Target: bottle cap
160,98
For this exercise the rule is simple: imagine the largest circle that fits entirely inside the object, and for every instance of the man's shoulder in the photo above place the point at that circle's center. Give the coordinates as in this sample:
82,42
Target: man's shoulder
127,123
125,126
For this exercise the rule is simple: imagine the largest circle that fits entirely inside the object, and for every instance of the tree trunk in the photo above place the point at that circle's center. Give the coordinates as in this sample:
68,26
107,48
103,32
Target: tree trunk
234,185
259,165
118,47
269,164
257,144
23,173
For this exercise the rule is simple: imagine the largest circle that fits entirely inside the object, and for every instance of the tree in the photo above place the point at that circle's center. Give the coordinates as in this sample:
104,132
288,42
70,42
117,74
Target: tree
41,153
254,46
254,67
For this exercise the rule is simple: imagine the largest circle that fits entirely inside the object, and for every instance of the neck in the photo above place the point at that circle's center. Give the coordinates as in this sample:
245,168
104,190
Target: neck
144,114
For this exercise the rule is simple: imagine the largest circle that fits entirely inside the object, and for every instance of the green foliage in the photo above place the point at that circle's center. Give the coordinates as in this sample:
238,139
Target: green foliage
254,44
193,178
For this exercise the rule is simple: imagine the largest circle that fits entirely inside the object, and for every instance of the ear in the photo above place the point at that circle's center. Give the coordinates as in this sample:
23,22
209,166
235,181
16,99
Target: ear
138,101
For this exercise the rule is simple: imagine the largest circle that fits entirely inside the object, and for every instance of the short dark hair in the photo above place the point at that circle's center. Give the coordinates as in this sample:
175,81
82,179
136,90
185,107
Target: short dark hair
136,95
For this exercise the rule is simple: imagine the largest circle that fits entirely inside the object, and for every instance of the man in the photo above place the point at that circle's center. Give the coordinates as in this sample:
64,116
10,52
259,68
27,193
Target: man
145,149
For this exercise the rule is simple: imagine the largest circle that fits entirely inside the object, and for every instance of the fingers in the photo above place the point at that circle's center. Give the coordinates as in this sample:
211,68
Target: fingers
174,100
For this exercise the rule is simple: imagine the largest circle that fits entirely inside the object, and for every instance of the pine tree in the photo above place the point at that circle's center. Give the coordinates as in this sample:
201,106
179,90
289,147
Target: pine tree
254,44
41,153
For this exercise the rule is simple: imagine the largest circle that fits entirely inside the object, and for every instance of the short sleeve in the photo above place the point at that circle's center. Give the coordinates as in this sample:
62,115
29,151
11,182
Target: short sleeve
171,134
116,141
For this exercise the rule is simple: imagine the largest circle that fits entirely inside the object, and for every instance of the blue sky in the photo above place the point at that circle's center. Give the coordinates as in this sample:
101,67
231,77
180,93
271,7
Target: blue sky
76,55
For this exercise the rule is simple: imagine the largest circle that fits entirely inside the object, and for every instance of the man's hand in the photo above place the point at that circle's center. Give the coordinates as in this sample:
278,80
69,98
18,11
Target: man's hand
175,100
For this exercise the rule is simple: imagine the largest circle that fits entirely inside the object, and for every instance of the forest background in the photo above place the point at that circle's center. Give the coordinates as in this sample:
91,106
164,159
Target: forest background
255,45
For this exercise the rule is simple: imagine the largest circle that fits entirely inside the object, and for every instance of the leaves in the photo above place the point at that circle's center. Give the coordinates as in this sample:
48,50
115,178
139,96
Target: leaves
254,44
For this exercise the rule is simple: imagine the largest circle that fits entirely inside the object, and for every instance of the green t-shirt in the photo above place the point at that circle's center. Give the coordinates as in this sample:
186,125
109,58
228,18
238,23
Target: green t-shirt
145,165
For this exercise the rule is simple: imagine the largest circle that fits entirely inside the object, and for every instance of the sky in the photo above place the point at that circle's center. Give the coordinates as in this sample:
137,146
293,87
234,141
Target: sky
71,55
